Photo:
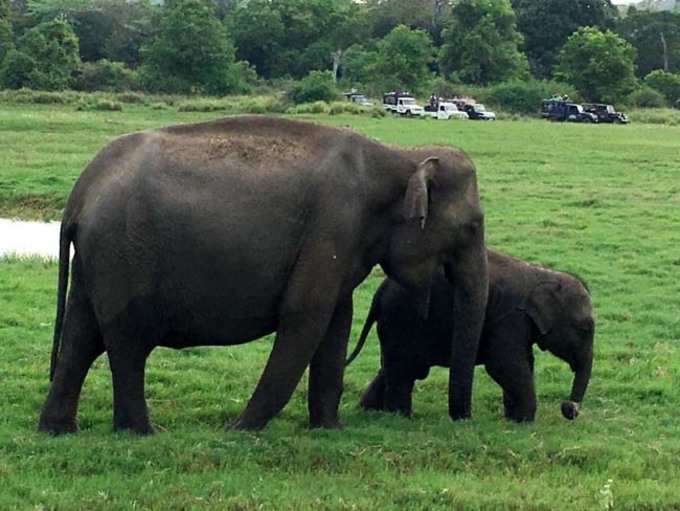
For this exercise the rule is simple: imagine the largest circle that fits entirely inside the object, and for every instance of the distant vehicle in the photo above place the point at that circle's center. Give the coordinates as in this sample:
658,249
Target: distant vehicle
357,98
560,110
478,112
606,113
402,103
445,110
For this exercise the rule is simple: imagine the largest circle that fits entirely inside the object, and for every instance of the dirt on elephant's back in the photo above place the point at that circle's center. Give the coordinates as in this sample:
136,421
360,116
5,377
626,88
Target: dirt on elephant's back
256,148
250,150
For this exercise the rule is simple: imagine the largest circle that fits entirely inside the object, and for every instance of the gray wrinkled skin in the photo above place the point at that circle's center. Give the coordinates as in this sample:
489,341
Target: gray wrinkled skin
221,232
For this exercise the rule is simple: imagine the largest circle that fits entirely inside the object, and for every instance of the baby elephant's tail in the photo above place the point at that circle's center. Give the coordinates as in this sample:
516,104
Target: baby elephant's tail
373,315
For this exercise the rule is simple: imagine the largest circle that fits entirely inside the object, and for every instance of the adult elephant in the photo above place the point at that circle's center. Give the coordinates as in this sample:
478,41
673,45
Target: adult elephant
224,231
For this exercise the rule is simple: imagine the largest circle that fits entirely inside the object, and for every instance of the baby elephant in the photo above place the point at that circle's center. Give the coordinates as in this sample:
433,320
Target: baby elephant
527,304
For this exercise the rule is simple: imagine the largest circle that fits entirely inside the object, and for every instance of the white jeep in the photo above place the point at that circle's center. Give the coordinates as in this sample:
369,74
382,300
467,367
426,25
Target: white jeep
445,111
402,104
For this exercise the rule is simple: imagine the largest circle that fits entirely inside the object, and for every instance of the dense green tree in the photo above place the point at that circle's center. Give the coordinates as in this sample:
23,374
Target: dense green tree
666,83
358,64
16,70
46,10
132,28
259,35
599,64
429,15
656,38
111,29
292,37
546,25
481,44
402,59
6,38
4,9
191,52
47,57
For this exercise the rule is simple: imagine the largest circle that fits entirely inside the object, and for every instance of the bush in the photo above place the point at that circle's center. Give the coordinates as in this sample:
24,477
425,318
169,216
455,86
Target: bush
667,84
655,116
203,105
232,104
24,95
131,97
317,107
105,75
316,86
346,107
377,112
646,97
97,104
525,97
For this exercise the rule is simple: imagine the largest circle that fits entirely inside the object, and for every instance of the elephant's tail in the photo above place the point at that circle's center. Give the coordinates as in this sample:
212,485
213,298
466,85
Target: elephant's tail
373,314
65,238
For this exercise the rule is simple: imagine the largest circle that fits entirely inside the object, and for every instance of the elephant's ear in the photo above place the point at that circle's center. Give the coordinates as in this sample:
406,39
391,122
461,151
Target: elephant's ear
543,304
416,201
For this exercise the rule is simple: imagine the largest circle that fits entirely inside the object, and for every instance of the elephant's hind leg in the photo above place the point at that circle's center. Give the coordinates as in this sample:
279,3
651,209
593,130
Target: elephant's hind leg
81,344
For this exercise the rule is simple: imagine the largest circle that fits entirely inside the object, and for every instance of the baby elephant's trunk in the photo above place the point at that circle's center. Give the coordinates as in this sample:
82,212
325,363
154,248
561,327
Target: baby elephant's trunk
582,373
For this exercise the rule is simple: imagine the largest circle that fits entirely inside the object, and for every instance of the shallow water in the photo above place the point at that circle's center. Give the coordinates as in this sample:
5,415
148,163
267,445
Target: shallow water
22,238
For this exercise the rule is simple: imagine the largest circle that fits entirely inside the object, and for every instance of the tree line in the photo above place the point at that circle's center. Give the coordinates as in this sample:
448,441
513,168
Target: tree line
228,46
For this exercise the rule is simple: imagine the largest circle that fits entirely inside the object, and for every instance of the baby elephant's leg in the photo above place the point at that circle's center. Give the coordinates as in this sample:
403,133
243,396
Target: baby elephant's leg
398,391
373,397
516,380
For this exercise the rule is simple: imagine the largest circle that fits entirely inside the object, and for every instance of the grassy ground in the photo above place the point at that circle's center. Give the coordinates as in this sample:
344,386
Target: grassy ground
603,201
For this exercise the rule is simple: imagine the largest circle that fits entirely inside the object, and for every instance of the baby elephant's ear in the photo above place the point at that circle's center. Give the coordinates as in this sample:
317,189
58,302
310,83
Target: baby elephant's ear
543,305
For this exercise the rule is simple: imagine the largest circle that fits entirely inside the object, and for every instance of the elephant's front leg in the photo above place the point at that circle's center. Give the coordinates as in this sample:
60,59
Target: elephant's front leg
517,382
327,368
306,311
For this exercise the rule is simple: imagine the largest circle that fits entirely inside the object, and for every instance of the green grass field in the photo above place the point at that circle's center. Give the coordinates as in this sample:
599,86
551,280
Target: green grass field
603,201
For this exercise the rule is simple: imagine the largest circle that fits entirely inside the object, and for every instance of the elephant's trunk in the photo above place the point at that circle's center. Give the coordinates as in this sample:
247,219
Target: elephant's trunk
570,409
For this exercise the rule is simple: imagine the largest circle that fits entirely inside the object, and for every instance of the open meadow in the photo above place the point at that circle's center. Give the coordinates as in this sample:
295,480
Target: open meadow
601,201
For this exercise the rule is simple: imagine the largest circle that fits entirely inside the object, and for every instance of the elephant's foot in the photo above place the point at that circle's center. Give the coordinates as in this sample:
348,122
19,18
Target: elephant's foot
460,415
245,423
370,402
139,427
520,418
325,424
57,426
516,415
400,408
